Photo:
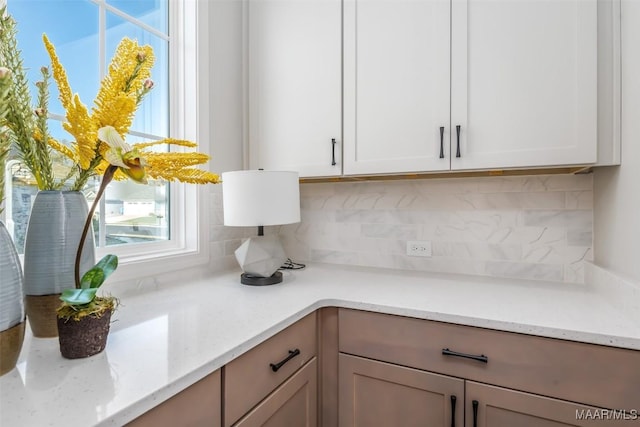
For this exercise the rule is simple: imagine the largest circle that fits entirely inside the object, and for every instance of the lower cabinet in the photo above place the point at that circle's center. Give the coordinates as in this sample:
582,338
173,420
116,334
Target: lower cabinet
197,405
346,368
275,383
374,393
294,403
398,371
490,406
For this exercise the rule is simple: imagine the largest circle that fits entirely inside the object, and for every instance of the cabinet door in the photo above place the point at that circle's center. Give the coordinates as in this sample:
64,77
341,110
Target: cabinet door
197,405
295,104
500,407
249,378
396,85
381,394
524,83
294,403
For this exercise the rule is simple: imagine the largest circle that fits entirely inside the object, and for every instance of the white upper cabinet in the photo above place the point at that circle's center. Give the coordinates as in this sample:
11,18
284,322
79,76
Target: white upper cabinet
524,83
392,81
295,88
396,85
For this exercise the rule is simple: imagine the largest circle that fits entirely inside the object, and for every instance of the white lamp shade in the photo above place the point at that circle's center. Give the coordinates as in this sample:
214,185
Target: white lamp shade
258,197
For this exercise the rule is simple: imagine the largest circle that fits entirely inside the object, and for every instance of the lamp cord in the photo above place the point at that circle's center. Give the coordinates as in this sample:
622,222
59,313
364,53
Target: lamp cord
290,265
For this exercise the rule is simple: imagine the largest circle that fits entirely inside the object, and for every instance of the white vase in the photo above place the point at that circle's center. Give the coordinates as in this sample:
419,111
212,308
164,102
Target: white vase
53,234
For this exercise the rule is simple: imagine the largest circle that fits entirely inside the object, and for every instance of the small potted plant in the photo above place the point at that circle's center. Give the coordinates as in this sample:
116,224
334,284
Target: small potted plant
100,149
84,317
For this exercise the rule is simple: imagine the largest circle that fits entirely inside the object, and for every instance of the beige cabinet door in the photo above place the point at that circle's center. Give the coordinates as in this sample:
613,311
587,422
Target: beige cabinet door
381,394
294,403
197,405
490,406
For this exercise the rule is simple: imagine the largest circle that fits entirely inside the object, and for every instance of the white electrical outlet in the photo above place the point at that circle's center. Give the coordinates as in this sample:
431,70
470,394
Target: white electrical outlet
419,248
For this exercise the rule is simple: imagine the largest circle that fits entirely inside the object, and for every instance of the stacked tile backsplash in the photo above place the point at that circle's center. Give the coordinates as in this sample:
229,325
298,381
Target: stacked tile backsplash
530,227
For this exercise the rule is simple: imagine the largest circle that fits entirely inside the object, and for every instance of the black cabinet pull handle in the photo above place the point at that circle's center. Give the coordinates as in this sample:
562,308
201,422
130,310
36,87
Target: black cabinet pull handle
474,404
292,354
442,142
458,133
333,151
453,411
482,358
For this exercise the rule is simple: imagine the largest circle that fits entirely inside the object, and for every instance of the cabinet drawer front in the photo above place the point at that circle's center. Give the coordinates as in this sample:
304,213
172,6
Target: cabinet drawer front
294,403
250,378
591,374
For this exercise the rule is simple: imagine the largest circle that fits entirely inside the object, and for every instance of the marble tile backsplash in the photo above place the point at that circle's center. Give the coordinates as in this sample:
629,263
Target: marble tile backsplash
530,227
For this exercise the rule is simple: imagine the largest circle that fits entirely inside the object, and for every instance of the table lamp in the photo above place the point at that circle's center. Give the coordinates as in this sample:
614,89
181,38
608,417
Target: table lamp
258,198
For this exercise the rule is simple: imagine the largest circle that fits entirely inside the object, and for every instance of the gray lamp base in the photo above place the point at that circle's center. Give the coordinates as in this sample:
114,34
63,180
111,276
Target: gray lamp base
253,280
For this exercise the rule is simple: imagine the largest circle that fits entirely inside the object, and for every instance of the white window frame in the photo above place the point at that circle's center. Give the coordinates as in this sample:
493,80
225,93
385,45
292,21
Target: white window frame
188,245
188,96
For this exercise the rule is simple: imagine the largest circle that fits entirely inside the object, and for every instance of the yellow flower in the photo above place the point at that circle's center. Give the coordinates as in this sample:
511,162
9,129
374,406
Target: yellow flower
120,154
79,123
99,147
123,85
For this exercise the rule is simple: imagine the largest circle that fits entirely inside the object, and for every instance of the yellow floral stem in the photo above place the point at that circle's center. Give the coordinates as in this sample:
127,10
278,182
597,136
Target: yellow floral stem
106,179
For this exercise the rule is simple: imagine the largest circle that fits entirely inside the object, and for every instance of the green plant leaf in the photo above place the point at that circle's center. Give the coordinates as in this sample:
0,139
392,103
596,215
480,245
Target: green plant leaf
92,278
78,296
99,273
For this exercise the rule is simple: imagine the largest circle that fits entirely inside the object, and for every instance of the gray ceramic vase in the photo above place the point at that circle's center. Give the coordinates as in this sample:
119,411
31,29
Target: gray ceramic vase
53,235
11,292
12,311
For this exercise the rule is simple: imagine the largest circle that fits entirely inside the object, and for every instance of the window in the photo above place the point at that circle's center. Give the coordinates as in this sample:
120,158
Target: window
134,221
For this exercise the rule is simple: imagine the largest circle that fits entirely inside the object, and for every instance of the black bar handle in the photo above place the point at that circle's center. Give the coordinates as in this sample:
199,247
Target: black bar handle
292,354
333,151
453,411
474,404
482,358
442,142
458,133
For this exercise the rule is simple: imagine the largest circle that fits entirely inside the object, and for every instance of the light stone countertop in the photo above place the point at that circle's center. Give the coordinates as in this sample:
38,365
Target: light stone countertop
166,336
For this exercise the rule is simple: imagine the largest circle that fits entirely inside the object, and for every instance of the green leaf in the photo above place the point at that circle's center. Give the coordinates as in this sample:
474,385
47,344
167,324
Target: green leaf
92,278
78,296
99,273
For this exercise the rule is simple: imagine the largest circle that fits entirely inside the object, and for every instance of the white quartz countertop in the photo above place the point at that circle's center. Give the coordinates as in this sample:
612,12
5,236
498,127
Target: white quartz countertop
167,336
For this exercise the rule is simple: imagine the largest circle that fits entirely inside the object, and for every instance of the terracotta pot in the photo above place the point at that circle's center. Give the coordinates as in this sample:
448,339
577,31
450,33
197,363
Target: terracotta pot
84,337
10,346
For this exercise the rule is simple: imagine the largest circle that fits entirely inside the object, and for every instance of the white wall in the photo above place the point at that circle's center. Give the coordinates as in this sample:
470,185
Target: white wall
226,91
226,121
617,189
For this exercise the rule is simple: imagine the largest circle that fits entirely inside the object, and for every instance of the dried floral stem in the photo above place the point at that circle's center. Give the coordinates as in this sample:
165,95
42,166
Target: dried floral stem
5,143
20,118
106,179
